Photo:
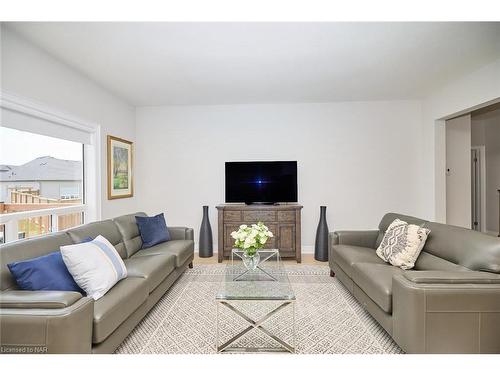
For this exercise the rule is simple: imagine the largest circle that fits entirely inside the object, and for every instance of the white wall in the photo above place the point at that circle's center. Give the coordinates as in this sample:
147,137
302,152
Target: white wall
29,72
486,131
458,97
359,159
458,176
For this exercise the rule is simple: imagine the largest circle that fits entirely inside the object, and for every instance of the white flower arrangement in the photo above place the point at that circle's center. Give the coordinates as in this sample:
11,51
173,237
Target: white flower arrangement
251,238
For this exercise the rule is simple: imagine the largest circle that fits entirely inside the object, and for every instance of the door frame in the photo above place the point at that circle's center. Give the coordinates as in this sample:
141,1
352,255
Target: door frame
439,151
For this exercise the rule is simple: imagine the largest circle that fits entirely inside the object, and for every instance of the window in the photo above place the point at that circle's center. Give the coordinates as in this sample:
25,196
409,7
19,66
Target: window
50,169
38,172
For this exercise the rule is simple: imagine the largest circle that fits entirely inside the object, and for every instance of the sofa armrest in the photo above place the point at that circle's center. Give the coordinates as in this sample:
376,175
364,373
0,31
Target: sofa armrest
181,233
365,238
45,322
446,312
44,299
452,277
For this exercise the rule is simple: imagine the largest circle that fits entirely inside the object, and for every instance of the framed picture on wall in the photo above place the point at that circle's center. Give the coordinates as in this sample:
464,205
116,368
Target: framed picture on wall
120,170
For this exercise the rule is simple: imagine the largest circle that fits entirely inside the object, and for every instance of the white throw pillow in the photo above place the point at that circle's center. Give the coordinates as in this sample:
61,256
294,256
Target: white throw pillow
96,265
402,244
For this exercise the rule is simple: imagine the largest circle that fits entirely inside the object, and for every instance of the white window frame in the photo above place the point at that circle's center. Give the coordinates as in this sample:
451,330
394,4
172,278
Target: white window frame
91,207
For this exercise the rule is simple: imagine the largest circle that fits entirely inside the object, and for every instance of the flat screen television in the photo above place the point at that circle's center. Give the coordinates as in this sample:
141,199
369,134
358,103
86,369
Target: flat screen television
265,182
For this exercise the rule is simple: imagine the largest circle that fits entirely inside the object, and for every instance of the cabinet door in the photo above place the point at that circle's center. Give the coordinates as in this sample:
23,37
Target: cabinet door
229,241
286,239
271,242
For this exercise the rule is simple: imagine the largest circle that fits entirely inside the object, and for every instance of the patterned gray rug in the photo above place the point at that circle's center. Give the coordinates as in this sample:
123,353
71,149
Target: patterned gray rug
328,319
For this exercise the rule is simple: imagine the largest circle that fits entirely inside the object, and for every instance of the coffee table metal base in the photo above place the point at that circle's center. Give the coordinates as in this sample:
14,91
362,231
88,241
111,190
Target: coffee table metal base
285,347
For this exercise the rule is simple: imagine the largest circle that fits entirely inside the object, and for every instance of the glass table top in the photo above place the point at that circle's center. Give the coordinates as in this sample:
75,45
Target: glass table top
268,282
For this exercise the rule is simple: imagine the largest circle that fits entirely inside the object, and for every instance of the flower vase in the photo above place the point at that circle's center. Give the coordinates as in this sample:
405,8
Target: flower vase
205,243
321,244
251,262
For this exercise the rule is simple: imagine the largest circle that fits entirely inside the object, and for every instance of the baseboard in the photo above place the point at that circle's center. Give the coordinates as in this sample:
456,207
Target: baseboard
308,249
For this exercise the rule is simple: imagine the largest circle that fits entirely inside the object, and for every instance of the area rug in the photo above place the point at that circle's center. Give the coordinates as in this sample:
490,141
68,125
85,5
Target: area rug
328,319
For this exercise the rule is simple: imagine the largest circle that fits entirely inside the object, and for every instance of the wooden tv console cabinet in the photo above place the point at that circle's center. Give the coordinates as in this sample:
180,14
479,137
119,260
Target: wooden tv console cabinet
283,220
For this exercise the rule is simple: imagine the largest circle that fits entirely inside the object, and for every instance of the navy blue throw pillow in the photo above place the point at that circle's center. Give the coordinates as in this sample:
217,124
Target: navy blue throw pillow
153,230
47,272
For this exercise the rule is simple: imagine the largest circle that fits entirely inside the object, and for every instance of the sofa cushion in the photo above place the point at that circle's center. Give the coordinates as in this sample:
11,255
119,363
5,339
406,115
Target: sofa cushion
106,228
129,230
429,262
182,249
117,305
181,233
154,268
27,249
468,248
346,255
376,281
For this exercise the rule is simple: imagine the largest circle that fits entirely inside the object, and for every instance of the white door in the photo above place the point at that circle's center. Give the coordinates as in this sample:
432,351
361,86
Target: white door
458,171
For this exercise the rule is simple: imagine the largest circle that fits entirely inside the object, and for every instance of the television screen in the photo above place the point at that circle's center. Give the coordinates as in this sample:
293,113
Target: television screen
261,181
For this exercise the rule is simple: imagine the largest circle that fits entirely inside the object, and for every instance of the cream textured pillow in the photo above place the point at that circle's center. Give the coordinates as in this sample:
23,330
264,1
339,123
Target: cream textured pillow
402,244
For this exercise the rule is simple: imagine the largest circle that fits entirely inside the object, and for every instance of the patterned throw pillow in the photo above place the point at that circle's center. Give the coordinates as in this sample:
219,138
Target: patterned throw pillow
402,244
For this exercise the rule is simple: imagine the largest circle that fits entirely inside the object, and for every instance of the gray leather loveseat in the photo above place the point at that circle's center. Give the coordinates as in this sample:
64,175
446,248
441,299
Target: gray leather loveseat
449,302
67,322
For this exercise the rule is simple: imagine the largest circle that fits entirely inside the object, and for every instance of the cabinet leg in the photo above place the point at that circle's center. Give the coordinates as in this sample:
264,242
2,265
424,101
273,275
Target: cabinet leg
190,265
332,274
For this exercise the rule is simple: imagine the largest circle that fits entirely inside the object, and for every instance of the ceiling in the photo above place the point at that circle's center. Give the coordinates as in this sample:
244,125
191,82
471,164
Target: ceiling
228,63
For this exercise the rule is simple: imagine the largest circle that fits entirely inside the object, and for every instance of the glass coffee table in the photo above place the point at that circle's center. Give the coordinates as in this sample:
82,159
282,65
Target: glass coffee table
268,283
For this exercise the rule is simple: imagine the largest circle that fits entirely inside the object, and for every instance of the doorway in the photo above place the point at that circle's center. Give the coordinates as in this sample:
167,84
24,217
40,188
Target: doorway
473,170
458,171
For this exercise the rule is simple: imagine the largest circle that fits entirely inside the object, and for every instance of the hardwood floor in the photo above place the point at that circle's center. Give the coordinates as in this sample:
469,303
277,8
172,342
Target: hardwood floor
306,259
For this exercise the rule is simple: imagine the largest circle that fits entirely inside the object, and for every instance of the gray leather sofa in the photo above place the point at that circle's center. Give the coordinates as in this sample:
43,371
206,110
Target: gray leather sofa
67,322
449,302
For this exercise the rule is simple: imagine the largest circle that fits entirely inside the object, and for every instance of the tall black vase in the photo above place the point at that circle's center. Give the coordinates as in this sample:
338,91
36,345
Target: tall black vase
205,245
321,245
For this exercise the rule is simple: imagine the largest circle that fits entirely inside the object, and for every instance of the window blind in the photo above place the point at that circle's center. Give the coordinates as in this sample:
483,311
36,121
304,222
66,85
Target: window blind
11,118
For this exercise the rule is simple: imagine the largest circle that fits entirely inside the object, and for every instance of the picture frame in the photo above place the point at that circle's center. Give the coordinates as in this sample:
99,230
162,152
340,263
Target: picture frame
120,168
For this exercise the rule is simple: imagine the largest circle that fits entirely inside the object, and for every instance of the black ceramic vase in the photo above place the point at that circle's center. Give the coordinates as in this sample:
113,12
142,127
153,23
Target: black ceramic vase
321,244
205,247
